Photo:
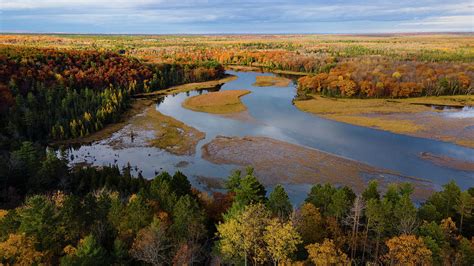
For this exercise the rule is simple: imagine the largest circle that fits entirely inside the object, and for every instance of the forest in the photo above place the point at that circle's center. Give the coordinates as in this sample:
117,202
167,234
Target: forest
48,94
343,66
63,87
90,216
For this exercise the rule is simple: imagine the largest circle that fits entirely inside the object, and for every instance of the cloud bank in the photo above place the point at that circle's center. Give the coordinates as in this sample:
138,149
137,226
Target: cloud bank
231,16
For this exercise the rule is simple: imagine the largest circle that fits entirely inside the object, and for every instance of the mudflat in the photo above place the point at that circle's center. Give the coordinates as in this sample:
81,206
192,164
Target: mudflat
278,162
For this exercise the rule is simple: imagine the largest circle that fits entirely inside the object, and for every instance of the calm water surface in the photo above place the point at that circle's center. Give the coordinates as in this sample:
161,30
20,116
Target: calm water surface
277,118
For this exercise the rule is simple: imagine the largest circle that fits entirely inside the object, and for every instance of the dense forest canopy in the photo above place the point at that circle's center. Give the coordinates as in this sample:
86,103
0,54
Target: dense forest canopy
50,94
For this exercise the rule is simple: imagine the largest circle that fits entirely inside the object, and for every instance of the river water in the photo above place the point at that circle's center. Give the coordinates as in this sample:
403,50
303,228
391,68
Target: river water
276,117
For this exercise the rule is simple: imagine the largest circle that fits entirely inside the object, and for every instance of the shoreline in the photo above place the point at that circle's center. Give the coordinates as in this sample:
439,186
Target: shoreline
139,103
279,162
411,116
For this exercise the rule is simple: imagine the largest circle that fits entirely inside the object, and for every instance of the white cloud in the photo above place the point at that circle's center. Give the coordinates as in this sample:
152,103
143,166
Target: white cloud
39,4
238,15
441,23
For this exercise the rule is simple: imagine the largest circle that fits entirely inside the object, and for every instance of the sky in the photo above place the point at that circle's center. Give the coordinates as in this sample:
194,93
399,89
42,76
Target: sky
231,16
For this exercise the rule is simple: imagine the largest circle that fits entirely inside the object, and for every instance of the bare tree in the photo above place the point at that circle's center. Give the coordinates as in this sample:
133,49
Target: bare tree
151,245
353,220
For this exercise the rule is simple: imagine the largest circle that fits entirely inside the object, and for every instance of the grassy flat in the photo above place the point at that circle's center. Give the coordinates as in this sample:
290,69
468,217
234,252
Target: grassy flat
221,102
267,81
170,134
404,116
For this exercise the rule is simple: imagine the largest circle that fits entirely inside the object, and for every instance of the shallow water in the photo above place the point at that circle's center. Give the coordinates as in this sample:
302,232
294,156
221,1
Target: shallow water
465,112
277,118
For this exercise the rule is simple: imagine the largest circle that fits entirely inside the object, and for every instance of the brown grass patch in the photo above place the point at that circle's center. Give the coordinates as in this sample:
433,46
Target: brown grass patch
221,102
267,81
448,161
170,134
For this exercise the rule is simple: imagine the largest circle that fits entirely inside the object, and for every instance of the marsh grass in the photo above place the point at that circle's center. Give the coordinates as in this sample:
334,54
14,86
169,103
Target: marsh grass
267,81
170,134
403,116
445,161
221,102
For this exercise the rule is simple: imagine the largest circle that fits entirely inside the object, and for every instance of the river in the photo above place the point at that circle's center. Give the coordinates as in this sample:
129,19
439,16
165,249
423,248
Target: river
276,117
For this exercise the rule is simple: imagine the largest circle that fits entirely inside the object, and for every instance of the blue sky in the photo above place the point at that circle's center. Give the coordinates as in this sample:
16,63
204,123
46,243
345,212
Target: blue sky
231,16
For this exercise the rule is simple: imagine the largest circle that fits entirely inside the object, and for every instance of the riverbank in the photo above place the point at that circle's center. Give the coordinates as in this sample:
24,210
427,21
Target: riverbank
445,161
412,116
189,87
138,105
278,162
263,69
154,129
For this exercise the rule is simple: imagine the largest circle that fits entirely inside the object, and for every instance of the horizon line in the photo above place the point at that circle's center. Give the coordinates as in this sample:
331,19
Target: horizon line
222,34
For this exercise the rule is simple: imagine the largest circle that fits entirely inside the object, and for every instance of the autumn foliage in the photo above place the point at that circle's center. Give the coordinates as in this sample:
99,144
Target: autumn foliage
379,77
60,94
407,250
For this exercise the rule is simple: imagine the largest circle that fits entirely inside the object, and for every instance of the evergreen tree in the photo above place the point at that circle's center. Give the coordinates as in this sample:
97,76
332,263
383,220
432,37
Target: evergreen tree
250,190
371,191
39,219
321,196
161,191
339,205
180,184
188,220
233,181
88,252
279,203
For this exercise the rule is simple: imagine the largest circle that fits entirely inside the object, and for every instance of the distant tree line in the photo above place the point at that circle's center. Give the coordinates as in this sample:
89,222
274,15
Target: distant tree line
379,77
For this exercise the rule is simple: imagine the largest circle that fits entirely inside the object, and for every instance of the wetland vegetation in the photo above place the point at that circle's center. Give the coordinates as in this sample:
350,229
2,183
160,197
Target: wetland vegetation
412,116
222,102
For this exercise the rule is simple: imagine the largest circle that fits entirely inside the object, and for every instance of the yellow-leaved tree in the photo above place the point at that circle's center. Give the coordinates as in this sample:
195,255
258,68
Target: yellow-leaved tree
241,237
19,249
326,254
407,250
281,239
